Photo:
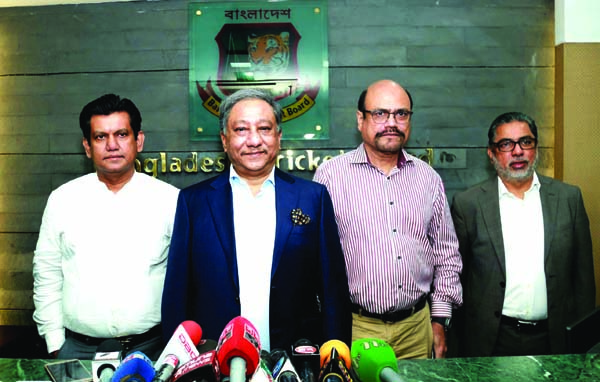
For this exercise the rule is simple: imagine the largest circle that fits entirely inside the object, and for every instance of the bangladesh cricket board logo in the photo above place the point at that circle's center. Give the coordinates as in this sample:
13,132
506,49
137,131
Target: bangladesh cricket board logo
263,56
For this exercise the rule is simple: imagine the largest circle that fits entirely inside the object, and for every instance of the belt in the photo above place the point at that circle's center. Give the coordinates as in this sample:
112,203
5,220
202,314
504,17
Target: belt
390,317
126,341
525,326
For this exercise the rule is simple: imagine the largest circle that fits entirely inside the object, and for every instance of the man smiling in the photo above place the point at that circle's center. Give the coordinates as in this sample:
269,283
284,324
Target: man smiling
257,242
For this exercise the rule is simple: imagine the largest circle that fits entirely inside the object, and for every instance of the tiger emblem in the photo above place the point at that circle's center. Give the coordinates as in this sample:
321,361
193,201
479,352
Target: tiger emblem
269,54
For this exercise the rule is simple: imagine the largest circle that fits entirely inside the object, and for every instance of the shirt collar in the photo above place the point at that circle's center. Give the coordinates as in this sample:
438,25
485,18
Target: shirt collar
235,178
360,156
503,191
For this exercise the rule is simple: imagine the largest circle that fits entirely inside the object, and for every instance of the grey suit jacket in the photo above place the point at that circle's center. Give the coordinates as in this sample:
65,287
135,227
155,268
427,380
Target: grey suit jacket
568,262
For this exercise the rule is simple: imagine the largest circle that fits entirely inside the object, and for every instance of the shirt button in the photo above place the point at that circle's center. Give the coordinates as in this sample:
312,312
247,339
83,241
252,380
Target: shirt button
394,230
391,203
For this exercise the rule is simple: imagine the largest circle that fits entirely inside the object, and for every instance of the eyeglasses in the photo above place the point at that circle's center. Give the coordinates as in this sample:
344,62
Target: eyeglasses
507,145
381,116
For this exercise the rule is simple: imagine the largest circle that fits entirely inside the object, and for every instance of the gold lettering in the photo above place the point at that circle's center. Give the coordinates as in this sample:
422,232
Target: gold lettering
163,162
299,159
220,164
175,165
313,162
191,164
150,166
207,164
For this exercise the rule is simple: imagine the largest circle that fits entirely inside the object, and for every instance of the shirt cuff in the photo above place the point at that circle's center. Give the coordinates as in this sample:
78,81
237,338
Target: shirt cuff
55,340
441,309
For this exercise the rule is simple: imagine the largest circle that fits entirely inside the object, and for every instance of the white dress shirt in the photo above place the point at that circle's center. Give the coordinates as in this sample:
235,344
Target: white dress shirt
101,257
523,233
254,222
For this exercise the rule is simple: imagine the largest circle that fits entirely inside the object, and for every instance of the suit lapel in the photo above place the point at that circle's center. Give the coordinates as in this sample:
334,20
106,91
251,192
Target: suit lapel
286,199
549,201
490,209
220,203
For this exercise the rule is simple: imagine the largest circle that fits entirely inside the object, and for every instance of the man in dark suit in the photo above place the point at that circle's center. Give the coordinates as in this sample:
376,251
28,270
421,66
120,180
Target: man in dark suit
526,248
257,242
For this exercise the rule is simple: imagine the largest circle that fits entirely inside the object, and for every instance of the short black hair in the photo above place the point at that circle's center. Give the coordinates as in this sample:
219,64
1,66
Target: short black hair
512,116
106,105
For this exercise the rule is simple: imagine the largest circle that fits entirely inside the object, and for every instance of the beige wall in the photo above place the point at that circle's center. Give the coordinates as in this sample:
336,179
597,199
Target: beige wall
577,129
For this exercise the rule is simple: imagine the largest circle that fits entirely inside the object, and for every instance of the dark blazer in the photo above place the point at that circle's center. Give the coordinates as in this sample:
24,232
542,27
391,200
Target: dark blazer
309,295
568,262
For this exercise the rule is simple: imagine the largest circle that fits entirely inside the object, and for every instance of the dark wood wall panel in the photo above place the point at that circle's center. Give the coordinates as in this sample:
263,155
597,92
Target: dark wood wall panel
464,62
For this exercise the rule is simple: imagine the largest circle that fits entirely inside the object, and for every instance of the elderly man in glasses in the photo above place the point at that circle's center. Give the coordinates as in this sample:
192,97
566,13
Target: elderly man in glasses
526,248
396,230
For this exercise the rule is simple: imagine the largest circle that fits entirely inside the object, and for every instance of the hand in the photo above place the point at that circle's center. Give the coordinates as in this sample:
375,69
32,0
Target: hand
439,340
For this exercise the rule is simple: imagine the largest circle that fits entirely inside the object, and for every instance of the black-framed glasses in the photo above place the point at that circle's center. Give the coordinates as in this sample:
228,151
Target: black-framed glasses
381,116
507,145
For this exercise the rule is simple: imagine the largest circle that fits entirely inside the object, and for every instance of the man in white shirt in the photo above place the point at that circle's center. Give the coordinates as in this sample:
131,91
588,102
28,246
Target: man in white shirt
527,251
100,260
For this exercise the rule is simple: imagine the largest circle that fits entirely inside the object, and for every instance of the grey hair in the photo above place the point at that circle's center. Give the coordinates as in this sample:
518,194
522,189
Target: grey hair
244,94
513,116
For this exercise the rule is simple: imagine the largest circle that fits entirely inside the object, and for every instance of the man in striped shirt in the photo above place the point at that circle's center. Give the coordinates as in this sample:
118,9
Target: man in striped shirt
396,231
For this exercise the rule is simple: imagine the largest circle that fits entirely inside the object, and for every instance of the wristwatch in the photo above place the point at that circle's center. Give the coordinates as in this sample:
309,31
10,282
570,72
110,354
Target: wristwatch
446,322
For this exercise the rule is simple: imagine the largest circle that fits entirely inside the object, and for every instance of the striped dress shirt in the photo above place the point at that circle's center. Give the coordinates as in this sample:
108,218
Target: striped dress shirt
396,232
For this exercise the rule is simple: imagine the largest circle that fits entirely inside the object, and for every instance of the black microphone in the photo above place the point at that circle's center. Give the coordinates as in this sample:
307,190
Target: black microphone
306,359
203,368
334,369
283,370
106,360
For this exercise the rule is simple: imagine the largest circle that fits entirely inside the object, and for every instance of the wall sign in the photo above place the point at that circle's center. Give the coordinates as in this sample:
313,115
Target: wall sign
278,46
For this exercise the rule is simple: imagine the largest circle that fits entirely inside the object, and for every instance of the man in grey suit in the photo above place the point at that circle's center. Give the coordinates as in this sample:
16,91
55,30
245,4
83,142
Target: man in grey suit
526,248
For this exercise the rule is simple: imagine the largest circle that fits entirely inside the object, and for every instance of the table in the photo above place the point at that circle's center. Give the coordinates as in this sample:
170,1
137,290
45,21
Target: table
560,368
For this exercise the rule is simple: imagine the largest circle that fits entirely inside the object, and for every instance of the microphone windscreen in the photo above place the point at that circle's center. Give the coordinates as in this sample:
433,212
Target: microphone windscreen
203,368
106,360
135,367
342,350
263,371
239,339
193,330
182,343
370,356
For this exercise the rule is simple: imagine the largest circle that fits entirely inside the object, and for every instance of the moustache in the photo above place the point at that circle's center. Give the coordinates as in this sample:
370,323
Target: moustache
390,129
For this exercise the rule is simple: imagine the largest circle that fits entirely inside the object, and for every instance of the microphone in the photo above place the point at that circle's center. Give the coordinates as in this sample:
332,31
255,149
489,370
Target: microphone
136,367
106,360
182,343
164,372
283,370
334,355
342,350
374,360
306,359
263,371
238,350
203,368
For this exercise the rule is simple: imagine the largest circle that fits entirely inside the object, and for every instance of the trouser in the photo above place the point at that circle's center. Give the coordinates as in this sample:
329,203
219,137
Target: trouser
514,341
411,337
72,348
